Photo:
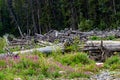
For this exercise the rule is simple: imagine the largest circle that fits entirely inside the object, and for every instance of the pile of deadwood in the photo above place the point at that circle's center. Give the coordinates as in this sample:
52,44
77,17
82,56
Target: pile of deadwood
98,50
61,36
101,50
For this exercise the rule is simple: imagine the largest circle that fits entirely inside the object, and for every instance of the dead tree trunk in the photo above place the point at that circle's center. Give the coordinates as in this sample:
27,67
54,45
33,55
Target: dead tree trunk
47,49
13,15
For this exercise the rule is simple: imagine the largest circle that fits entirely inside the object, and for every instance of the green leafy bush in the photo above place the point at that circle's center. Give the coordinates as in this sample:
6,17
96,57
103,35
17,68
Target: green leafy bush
113,62
2,76
2,45
85,25
74,59
77,75
112,37
95,38
2,63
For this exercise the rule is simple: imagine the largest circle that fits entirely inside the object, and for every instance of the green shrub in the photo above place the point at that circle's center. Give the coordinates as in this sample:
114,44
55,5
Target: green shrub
17,48
113,62
74,59
55,74
102,25
41,77
3,63
77,75
29,71
91,68
2,76
85,25
74,47
27,61
95,38
112,37
2,45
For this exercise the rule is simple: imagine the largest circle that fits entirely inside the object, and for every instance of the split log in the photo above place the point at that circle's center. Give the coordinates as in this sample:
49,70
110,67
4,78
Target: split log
47,49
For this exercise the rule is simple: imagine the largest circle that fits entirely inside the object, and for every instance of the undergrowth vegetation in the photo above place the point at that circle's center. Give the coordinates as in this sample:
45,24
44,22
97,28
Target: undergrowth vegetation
112,37
74,59
38,66
113,62
2,45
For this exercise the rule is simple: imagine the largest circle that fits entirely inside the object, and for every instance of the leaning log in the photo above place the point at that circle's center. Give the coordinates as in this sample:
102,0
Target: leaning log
47,49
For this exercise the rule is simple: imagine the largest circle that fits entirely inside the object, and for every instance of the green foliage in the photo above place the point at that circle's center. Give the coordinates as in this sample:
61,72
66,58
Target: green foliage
77,75
85,25
37,66
2,45
78,14
102,25
92,68
3,63
2,76
74,59
40,67
74,46
113,62
112,37
95,38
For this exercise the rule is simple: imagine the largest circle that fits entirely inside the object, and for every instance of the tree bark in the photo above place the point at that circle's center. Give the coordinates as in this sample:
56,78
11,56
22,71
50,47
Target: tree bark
114,7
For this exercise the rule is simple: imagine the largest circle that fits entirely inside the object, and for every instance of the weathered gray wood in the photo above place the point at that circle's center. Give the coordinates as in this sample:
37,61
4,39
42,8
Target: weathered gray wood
109,45
101,50
47,49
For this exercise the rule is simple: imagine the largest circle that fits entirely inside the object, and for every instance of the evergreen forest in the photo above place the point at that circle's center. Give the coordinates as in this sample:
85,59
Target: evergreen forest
40,16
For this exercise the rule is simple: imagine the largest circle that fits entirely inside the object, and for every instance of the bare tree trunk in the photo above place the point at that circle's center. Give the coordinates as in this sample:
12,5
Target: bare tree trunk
38,16
73,15
114,7
13,15
33,17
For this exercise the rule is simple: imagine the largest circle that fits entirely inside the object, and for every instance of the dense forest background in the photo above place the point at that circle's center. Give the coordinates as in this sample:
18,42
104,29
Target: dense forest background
39,16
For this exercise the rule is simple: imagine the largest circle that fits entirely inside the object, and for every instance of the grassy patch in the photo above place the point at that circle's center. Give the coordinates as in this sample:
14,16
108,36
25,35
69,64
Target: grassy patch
112,37
74,59
113,62
2,45
39,67
95,38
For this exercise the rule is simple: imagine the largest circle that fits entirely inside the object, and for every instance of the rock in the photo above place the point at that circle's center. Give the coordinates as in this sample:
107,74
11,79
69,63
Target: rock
104,75
61,72
17,79
100,65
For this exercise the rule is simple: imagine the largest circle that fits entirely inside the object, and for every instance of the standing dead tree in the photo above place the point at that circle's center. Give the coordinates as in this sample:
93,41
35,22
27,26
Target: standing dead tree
14,16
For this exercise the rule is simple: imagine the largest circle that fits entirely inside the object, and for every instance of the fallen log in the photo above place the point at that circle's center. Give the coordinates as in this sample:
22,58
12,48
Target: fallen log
108,45
47,49
101,50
